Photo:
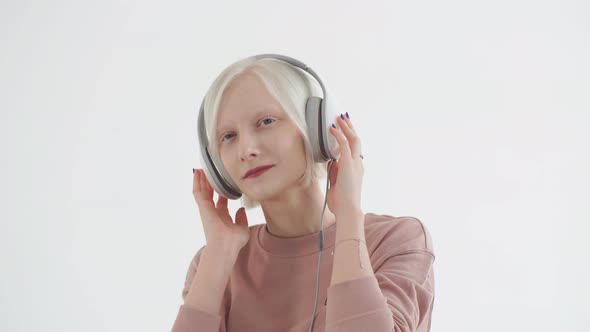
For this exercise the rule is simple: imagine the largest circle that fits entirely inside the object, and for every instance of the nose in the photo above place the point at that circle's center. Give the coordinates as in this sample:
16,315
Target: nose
248,147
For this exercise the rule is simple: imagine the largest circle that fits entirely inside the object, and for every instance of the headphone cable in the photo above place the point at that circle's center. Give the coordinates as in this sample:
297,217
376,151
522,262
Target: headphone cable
317,288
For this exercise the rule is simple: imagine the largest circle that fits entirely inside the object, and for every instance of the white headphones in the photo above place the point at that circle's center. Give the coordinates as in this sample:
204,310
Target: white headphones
318,116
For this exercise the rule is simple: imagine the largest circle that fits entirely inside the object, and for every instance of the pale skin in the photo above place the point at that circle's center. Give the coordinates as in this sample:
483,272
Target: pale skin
249,138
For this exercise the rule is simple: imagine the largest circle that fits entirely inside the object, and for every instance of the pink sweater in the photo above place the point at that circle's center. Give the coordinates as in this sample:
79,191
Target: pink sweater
273,283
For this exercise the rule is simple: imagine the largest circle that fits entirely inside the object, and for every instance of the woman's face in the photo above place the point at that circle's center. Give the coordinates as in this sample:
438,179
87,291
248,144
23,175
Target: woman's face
253,130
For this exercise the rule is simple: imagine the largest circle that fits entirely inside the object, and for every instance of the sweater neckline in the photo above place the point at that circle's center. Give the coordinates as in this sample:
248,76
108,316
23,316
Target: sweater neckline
295,246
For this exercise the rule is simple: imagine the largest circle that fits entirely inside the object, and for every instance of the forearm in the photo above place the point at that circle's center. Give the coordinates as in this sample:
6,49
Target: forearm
347,263
208,286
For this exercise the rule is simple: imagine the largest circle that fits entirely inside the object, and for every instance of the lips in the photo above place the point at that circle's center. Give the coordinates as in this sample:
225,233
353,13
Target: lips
257,171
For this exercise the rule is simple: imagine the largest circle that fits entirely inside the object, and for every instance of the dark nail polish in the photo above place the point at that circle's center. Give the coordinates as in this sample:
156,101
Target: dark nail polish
341,116
333,126
348,116
193,171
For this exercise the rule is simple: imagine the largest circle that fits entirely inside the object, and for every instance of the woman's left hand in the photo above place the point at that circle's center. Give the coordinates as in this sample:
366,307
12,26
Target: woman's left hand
346,175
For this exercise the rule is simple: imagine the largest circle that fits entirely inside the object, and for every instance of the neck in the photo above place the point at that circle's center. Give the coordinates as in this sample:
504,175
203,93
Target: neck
297,213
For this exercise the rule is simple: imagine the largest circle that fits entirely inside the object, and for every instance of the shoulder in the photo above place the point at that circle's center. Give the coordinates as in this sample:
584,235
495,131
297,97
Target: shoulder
397,234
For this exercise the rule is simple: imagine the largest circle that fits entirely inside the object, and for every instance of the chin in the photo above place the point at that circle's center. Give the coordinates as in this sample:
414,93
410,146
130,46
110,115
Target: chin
268,186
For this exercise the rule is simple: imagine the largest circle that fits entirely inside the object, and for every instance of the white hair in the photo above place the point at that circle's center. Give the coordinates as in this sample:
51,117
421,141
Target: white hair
289,85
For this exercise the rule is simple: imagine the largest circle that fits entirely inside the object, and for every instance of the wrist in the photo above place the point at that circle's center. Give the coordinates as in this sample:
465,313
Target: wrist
226,252
348,210
349,215
222,246
350,224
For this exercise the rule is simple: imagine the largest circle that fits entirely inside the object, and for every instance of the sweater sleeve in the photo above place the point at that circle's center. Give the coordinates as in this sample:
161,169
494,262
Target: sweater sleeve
190,319
399,297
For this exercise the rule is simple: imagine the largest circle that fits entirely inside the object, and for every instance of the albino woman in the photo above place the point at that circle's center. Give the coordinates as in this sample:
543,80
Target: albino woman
376,273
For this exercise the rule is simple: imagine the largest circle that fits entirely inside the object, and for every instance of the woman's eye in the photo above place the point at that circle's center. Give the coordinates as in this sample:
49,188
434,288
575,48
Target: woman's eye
268,119
224,137
262,121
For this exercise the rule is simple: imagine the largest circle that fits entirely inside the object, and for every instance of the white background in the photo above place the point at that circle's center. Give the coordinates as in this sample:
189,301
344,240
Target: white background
473,118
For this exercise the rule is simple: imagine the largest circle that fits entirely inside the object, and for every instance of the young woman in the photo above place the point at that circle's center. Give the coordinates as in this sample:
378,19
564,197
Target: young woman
377,272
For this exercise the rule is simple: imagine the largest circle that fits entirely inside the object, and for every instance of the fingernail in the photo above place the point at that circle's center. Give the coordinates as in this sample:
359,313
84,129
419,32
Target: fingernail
348,116
333,126
341,116
193,171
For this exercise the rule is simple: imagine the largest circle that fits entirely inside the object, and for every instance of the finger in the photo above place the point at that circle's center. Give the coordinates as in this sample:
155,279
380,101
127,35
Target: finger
347,119
222,204
196,182
199,184
198,187
207,190
342,141
351,136
333,173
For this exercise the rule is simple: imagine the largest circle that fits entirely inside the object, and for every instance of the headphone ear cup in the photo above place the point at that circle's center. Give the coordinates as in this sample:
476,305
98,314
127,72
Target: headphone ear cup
319,118
314,127
219,178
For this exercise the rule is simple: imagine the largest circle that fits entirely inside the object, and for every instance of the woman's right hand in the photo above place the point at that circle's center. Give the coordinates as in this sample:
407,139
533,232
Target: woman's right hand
220,230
